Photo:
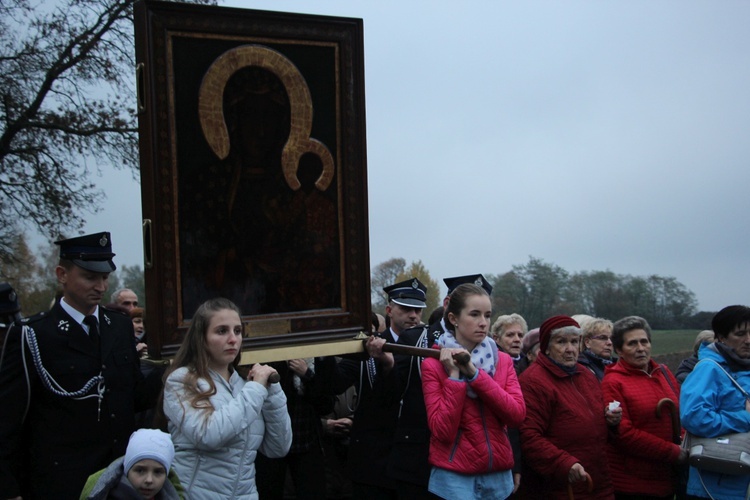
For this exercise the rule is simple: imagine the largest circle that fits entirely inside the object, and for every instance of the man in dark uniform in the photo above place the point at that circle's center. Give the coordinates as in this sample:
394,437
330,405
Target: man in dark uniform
408,463
378,397
70,382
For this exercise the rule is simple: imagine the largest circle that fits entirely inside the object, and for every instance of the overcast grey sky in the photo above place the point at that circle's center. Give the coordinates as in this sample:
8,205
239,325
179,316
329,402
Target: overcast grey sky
594,135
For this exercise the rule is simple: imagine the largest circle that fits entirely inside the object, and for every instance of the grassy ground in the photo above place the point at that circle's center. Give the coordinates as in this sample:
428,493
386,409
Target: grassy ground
669,341
670,347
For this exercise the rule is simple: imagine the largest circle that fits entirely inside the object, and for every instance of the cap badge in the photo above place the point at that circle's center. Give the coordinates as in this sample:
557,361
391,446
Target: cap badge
103,240
478,282
415,284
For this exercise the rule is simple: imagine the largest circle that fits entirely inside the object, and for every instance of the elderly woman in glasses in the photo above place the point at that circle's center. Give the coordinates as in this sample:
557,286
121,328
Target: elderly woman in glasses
567,421
596,353
642,457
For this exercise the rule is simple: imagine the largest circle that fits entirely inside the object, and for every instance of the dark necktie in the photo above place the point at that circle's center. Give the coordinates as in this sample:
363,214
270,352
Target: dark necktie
93,325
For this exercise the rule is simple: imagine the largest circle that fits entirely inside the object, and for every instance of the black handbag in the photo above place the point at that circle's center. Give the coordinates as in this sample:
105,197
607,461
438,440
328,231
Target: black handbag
725,454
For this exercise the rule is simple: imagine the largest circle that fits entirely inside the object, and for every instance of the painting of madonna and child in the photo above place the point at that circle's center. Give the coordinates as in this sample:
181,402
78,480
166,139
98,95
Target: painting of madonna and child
266,193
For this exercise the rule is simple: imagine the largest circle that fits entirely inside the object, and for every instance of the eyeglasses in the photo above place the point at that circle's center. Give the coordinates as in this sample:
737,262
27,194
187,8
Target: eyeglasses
603,338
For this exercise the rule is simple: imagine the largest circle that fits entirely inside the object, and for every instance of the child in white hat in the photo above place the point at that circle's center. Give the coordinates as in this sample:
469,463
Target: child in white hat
141,474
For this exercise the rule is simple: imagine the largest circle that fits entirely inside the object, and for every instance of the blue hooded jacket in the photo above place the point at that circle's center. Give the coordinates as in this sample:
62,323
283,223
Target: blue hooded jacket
711,405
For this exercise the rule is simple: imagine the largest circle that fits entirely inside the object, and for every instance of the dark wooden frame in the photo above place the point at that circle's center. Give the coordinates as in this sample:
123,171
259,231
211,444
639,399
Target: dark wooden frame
171,37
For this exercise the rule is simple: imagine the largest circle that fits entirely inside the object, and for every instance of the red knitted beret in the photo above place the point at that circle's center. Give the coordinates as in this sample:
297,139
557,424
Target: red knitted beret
550,324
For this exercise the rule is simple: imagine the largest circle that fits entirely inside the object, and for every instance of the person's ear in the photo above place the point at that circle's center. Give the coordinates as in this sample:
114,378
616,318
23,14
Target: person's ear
452,319
62,274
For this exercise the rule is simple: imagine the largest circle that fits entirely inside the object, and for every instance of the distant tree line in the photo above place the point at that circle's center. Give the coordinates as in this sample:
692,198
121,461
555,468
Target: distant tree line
537,290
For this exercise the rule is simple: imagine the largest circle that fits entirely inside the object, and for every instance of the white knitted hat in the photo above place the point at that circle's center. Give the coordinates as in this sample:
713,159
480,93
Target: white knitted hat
149,444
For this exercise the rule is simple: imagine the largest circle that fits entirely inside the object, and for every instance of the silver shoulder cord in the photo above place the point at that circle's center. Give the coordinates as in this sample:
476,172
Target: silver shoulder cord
368,368
28,337
358,389
421,342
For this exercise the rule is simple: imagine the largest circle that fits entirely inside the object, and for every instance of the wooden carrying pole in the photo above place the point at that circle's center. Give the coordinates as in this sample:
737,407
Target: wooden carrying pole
461,358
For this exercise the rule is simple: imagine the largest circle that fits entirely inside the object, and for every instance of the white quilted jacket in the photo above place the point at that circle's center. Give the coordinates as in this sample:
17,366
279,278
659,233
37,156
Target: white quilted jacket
215,450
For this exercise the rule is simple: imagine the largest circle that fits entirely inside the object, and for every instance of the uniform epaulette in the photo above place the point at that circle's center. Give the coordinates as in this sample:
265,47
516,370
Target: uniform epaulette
34,318
113,310
419,328
411,335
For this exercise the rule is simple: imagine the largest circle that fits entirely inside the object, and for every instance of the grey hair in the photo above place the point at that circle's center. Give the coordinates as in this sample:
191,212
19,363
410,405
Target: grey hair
704,336
582,319
504,321
116,294
626,324
565,330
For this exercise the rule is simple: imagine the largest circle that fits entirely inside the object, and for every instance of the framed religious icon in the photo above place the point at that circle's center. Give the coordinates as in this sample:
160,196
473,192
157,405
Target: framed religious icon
253,175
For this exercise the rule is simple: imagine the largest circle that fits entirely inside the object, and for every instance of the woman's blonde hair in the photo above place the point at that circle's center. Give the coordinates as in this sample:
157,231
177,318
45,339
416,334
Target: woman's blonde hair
595,326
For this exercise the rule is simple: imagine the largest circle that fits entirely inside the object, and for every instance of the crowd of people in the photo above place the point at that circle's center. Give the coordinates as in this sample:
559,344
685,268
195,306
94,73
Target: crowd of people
470,408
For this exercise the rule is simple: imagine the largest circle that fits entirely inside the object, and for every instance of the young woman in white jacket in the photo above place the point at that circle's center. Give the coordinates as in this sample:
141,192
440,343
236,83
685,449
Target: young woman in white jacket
217,419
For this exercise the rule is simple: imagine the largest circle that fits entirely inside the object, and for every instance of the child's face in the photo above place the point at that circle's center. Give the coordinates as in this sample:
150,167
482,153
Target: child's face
147,477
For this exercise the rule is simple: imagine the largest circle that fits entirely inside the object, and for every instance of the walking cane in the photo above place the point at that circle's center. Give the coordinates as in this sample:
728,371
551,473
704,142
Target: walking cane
676,426
589,489
676,439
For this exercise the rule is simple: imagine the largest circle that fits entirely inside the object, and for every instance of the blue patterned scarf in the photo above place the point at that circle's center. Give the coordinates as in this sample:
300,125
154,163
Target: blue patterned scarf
483,355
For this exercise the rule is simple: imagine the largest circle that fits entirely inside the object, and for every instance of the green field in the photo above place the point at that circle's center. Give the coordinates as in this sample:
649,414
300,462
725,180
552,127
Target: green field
669,341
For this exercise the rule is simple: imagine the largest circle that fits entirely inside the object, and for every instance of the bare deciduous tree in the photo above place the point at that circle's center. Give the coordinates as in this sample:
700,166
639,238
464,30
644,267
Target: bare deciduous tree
384,274
67,83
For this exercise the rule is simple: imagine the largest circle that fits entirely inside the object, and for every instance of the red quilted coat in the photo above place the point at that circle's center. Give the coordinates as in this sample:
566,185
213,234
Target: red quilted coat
641,458
469,435
565,425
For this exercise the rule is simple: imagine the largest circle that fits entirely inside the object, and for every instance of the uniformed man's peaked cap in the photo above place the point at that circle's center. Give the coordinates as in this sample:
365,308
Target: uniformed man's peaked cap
409,293
92,252
476,279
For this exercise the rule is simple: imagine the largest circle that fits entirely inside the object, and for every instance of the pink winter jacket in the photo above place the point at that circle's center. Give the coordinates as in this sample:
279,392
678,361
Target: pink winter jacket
470,435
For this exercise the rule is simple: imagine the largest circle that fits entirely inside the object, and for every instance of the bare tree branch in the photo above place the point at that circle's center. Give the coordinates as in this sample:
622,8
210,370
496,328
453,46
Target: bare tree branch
67,100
